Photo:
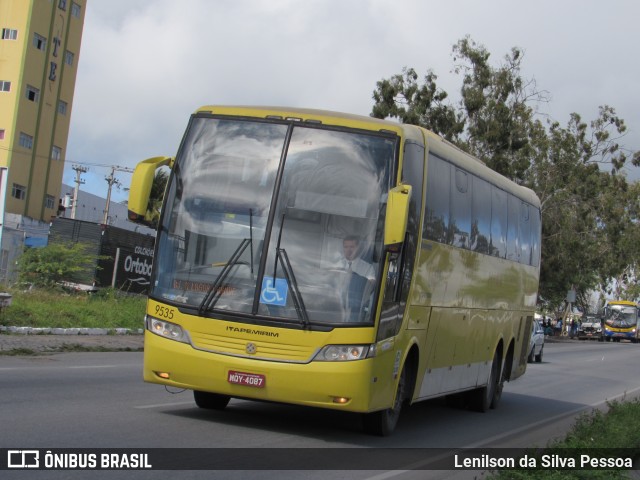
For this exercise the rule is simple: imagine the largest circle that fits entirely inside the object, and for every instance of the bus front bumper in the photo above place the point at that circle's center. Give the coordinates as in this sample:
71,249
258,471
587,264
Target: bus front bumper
336,385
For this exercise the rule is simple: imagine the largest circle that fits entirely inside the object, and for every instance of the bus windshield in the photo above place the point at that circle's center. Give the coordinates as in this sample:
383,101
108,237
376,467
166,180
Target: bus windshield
621,316
274,220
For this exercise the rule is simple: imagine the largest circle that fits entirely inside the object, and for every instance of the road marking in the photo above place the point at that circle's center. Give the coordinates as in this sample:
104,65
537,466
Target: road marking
161,405
40,367
80,367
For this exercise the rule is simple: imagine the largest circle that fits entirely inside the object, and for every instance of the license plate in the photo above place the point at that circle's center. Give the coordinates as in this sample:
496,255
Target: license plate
249,379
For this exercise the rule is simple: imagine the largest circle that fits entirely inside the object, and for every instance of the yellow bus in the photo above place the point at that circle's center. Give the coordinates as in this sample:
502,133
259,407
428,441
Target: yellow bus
620,321
335,261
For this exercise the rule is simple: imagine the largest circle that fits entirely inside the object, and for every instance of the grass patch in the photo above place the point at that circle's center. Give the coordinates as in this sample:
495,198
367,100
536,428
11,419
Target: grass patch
68,348
18,352
614,433
58,309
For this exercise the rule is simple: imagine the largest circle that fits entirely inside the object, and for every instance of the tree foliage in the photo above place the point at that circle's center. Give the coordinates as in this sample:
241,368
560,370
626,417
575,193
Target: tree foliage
55,263
156,197
590,228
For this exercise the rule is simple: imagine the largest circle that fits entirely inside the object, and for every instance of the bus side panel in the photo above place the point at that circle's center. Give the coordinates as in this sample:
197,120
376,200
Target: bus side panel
521,344
477,301
385,370
450,364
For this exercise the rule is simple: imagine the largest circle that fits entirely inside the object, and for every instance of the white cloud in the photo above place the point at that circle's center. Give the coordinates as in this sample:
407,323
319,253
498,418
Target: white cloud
145,65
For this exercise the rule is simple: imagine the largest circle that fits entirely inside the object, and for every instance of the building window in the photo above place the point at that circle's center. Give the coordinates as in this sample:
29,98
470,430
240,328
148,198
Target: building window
5,86
49,202
75,9
68,57
39,42
26,141
62,4
33,93
1,133
62,107
56,153
9,34
19,191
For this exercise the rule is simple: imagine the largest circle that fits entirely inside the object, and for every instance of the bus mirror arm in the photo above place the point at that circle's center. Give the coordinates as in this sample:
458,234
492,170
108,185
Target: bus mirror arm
141,183
395,223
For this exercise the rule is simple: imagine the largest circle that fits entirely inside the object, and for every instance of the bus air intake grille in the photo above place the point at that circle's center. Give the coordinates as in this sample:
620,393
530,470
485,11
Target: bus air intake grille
262,349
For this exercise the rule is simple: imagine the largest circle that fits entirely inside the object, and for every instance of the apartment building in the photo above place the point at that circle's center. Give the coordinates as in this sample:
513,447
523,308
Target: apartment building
39,54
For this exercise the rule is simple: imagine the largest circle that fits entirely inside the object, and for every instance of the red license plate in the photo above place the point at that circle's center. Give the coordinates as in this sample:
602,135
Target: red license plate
249,379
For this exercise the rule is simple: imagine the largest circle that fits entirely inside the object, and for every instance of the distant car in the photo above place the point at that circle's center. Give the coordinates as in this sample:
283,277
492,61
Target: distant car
536,344
590,328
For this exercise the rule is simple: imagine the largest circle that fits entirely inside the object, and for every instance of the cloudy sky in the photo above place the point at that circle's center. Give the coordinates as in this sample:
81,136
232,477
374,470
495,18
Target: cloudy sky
146,65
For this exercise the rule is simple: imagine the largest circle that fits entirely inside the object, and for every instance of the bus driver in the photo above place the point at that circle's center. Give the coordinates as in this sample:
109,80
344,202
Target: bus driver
360,277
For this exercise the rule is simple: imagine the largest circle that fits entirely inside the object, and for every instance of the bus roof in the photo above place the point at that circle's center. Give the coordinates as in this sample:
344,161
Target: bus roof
306,115
622,302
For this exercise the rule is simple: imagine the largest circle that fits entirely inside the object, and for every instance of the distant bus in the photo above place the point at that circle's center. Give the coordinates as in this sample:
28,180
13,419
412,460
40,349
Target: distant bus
620,321
251,296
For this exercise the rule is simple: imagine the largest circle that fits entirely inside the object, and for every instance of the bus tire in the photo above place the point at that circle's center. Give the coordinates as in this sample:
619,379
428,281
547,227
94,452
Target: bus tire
211,401
481,399
504,376
383,422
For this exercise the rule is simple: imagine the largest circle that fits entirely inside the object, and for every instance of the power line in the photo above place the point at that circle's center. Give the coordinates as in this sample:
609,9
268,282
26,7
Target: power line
66,160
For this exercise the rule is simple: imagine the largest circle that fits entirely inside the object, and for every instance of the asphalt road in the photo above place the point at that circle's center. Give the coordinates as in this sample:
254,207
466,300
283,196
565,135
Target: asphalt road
98,400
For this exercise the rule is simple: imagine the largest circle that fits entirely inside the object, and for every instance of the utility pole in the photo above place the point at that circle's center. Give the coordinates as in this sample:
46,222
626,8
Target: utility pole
111,181
79,171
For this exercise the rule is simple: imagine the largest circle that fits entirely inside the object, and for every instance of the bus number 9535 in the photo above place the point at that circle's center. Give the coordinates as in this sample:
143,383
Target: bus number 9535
164,312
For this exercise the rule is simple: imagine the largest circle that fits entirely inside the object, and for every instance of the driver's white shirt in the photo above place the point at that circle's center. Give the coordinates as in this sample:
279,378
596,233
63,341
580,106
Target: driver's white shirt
359,266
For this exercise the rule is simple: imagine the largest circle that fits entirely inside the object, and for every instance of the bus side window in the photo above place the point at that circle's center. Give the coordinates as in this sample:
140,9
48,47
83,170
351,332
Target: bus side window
412,174
437,205
481,219
499,215
525,234
535,237
460,221
513,227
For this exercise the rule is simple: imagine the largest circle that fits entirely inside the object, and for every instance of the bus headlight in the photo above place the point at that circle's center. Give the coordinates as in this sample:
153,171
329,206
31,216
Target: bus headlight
342,353
167,330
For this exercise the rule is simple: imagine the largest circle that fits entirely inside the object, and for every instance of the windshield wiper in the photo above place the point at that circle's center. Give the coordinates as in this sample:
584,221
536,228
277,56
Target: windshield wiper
287,269
296,296
215,292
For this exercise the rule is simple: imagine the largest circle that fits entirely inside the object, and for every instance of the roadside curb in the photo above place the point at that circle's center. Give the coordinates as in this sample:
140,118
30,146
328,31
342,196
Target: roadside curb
70,331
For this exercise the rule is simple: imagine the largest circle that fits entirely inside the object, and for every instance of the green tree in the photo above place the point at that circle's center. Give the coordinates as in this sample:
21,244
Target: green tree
50,265
156,197
589,210
401,97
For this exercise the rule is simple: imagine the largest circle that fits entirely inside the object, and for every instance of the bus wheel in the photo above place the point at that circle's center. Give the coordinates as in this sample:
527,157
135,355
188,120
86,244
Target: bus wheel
211,401
503,376
383,422
481,399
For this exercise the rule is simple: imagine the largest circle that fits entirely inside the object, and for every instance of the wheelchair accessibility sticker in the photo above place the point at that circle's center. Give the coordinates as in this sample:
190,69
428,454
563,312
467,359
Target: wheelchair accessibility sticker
274,294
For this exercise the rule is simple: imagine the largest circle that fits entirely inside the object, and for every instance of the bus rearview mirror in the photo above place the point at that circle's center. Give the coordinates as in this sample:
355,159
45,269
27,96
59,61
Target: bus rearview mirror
395,223
141,183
